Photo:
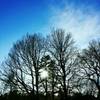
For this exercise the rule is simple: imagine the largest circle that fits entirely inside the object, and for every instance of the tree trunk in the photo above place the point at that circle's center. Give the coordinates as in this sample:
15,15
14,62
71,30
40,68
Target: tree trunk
46,90
64,87
37,88
98,93
52,92
32,83
53,86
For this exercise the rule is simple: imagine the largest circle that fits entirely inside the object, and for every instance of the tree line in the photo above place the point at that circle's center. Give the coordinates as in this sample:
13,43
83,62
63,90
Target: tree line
71,72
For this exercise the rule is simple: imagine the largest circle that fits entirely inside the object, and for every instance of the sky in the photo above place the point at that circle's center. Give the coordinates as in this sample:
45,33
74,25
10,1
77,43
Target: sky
17,17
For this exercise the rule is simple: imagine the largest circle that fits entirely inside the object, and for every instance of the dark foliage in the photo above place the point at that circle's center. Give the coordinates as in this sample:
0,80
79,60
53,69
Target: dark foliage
18,96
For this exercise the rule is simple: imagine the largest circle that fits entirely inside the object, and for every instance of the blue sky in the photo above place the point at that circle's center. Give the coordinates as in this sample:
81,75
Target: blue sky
17,17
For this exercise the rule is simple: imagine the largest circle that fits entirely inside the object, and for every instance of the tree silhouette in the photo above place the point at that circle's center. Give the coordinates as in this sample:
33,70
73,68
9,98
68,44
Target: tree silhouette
90,63
50,66
23,62
62,48
71,75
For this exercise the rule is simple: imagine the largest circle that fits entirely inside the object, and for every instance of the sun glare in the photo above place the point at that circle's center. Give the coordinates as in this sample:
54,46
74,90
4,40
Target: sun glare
44,73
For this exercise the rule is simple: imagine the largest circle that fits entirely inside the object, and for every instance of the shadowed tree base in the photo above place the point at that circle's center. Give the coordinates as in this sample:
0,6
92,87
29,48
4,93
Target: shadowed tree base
17,96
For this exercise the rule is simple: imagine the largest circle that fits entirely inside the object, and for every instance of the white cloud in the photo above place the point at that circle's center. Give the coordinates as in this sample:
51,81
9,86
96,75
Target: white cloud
82,21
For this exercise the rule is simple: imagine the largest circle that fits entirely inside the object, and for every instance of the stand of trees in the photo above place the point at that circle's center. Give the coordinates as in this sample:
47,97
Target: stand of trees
71,74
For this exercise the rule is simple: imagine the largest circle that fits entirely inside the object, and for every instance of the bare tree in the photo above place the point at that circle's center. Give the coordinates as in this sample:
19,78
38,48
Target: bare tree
61,47
34,50
90,63
24,62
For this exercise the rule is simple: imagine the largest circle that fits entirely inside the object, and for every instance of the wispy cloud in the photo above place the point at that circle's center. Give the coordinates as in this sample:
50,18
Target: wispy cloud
82,20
